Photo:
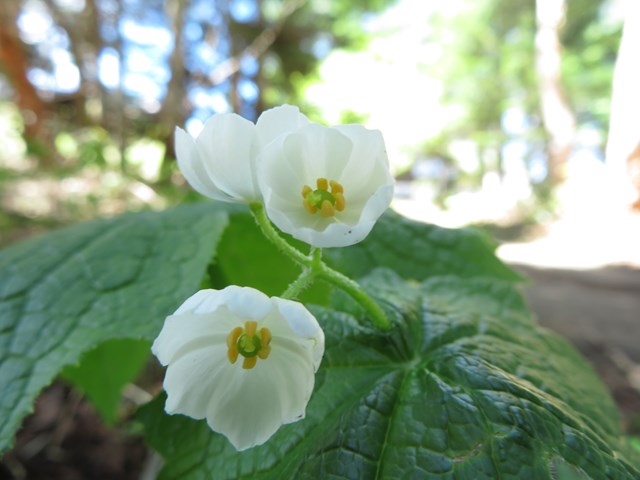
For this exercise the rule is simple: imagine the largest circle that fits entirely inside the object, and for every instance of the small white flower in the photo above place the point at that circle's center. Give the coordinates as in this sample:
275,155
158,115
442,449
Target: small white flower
242,360
326,186
221,162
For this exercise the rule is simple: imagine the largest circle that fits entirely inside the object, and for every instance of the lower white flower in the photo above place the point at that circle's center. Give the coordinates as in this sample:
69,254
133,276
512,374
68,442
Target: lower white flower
242,360
326,186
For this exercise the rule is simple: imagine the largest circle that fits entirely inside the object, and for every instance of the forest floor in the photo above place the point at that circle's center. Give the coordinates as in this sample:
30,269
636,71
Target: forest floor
599,312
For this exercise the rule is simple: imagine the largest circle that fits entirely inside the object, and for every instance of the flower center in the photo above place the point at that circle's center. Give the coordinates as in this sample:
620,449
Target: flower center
327,202
249,343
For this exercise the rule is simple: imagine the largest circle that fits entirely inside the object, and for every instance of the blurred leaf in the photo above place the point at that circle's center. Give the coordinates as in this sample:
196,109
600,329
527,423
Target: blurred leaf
104,371
418,251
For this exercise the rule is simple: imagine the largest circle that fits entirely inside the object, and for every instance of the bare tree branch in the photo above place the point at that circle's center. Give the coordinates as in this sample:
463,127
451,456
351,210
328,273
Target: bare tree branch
258,47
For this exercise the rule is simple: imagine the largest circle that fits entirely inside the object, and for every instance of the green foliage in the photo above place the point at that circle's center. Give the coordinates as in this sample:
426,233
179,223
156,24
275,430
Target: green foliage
591,47
471,391
64,293
490,63
245,257
292,61
102,373
418,251
464,385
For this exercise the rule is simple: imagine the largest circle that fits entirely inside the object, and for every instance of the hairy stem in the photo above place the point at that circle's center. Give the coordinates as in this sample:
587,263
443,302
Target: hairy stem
313,267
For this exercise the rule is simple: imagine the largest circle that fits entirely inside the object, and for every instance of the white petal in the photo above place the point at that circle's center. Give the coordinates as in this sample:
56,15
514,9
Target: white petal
274,122
228,147
246,302
276,391
192,379
192,167
197,299
319,152
303,325
185,332
368,158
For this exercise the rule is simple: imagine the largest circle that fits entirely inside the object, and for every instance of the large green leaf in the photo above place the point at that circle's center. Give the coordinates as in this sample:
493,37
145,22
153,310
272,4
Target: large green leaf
417,250
457,389
63,293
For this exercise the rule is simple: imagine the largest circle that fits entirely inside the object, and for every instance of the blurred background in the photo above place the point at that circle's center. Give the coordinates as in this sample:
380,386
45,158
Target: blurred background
519,117
488,107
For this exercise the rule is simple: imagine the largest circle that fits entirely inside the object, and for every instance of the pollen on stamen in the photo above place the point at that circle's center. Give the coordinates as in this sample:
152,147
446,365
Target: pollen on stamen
265,340
327,209
327,202
322,183
232,344
249,362
250,328
310,208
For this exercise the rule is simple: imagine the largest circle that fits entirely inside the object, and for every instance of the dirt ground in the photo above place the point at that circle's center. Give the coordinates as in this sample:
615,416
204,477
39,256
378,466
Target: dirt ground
599,311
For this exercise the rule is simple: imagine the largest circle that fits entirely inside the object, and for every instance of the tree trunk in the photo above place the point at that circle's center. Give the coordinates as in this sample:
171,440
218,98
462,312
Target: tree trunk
558,119
85,44
623,144
172,111
14,63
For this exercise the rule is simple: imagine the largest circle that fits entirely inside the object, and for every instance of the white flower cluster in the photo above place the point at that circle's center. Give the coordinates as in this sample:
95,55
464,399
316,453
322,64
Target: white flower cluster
241,360
326,186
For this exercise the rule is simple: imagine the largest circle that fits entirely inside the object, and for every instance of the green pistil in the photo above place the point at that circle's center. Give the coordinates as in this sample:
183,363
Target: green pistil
249,346
318,196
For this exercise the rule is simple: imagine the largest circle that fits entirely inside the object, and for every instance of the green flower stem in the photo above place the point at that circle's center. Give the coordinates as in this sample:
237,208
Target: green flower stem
315,267
299,284
376,314
274,237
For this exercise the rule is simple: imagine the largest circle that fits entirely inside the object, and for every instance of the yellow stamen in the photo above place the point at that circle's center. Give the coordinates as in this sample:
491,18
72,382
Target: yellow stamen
265,336
310,208
328,202
265,340
250,343
323,184
249,363
250,328
336,187
327,209
232,344
232,355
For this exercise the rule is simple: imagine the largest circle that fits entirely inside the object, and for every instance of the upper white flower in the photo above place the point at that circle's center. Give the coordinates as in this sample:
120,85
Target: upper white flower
242,360
326,186
221,162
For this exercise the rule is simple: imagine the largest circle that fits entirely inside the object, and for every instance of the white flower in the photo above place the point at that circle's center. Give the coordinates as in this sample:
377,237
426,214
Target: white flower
242,360
326,186
221,162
